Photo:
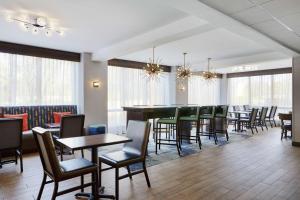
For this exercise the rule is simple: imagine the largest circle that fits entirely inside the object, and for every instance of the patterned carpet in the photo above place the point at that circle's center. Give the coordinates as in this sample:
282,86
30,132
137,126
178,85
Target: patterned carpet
168,152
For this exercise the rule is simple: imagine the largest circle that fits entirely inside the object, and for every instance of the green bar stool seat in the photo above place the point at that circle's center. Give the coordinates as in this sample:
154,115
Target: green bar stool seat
173,123
193,118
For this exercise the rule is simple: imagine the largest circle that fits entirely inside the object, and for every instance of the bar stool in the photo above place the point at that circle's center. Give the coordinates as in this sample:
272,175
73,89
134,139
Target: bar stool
221,121
207,118
173,122
194,118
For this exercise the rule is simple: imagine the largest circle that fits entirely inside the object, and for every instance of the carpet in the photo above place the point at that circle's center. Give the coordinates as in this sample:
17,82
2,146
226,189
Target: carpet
168,152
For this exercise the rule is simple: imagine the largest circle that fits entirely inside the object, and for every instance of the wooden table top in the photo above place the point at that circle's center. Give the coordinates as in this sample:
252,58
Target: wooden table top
90,141
240,112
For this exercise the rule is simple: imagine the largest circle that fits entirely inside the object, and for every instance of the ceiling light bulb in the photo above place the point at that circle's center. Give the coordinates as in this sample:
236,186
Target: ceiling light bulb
35,30
41,21
48,33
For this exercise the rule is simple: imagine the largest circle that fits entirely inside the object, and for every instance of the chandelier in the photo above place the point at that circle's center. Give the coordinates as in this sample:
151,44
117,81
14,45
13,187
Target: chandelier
152,68
208,75
183,72
37,24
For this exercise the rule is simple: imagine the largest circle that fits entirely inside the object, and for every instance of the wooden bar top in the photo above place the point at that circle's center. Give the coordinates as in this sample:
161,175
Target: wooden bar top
156,107
91,141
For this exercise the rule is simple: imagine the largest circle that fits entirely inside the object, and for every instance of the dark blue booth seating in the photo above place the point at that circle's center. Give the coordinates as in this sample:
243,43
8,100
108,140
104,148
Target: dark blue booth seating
37,116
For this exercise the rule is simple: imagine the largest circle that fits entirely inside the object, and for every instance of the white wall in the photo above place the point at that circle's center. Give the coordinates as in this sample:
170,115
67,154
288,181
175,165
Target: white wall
296,101
94,100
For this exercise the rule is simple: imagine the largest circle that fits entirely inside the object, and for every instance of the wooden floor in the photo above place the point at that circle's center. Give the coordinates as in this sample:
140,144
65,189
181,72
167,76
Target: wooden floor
260,167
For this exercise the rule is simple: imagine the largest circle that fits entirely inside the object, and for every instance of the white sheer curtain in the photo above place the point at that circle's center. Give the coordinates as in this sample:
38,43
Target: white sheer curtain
264,90
203,92
238,91
282,92
128,87
27,80
261,90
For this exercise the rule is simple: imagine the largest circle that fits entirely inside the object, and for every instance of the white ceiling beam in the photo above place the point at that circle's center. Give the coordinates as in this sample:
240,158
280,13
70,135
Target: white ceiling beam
177,30
218,19
242,60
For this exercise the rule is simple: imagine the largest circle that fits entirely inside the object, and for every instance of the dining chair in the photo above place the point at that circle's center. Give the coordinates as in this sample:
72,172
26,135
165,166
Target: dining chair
192,118
271,117
70,126
261,120
64,170
246,107
286,124
11,140
132,153
250,123
173,123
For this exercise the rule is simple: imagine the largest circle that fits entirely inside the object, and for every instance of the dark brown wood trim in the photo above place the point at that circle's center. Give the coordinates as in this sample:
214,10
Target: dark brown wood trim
199,73
13,48
287,70
295,144
134,64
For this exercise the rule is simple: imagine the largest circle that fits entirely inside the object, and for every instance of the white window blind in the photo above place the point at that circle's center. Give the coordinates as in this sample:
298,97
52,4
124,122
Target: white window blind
27,80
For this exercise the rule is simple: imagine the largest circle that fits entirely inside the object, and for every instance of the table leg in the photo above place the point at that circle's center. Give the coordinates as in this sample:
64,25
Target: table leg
99,187
239,123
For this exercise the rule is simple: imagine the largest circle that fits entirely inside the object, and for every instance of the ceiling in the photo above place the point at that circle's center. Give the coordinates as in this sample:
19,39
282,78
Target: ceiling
278,19
231,32
91,25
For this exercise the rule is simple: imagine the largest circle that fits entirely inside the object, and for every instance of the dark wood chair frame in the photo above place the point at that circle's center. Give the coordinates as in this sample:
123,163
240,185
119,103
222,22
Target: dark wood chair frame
61,147
18,152
251,122
57,180
271,117
261,120
129,175
285,127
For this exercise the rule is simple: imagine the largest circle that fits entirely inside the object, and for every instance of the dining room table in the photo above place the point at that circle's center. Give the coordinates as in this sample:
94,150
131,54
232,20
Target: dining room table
238,114
93,142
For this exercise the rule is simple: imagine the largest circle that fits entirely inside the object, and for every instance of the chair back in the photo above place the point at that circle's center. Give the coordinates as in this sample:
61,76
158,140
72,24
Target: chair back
274,111
139,132
263,113
10,133
253,116
207,110
236,108
221,111
72,126
45,144
246,107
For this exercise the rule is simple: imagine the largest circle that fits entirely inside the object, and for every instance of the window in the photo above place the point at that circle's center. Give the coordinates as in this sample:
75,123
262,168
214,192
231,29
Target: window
128,87
264,90
27,80
202,92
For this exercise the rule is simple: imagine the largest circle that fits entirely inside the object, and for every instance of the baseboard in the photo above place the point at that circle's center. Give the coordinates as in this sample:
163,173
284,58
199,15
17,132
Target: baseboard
295,144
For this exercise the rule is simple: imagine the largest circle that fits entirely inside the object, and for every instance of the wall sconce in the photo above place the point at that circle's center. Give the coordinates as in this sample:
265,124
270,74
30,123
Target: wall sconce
96,84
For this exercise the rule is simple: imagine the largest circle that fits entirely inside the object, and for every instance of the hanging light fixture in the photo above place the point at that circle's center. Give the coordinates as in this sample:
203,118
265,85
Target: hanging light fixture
208,75
36,25
153,69
183,72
